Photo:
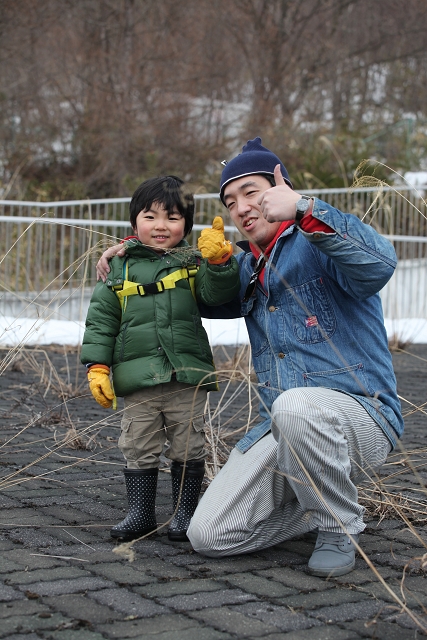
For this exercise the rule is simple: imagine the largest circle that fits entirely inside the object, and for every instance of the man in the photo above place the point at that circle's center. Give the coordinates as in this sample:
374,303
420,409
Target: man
310,278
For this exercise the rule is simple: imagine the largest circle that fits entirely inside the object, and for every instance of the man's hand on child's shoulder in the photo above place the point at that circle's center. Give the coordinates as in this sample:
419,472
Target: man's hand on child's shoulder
102,266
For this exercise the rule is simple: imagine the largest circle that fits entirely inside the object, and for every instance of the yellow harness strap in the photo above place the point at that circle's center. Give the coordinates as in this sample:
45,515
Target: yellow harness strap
129,288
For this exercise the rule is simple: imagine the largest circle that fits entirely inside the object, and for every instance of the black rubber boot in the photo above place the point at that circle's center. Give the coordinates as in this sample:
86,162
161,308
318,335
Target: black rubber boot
141,485
194,472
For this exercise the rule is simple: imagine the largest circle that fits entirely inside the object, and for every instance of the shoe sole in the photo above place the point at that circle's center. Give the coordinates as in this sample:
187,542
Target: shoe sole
332,573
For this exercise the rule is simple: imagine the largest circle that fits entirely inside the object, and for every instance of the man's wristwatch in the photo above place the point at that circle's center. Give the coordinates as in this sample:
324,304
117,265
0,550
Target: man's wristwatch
301,207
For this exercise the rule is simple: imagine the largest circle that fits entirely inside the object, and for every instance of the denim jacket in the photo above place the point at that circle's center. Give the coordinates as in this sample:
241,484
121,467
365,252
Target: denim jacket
318,320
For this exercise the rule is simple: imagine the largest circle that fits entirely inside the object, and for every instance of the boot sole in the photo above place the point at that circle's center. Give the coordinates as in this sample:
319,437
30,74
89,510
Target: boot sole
131,535
178,537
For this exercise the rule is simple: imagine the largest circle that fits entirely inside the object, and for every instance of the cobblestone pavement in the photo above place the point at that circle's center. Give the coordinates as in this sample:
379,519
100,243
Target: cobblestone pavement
61,580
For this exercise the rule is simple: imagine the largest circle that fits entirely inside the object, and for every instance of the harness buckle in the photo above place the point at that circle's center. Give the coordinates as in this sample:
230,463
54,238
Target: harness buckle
151,288
192,270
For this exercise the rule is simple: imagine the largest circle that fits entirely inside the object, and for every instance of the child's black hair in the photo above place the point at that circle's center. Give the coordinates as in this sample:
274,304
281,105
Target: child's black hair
166,191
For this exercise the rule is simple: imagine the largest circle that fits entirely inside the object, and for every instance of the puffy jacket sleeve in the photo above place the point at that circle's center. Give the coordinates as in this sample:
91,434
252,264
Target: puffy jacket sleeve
217,284
358,258
102,326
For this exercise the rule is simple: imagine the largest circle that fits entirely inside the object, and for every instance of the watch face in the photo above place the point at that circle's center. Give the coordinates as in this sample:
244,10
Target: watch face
302,206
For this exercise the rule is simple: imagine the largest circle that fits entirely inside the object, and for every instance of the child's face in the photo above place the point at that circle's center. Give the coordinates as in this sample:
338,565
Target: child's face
159,229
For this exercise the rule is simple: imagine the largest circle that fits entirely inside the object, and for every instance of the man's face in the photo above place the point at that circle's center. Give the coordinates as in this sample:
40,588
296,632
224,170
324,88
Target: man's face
241,199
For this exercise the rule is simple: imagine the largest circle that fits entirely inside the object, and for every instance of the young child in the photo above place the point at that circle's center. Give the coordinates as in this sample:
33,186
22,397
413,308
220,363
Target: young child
144,323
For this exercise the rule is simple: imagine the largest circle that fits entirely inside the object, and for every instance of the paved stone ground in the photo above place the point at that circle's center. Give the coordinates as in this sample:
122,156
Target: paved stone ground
61,580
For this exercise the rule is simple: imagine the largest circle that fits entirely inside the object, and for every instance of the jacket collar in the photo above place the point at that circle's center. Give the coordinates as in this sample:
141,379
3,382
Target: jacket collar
136,248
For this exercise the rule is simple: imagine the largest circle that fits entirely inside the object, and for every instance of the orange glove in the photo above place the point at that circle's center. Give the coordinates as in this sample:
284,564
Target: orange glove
100,385
213,245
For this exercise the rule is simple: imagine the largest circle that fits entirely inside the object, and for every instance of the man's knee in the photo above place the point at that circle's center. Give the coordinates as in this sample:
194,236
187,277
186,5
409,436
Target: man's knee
290,417
293,400
202,540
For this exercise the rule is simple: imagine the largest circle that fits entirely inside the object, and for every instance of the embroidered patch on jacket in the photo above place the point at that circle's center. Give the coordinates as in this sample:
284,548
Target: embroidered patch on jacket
311,321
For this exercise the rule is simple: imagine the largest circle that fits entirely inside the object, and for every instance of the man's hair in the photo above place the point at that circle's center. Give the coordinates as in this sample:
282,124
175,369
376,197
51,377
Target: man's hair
167,191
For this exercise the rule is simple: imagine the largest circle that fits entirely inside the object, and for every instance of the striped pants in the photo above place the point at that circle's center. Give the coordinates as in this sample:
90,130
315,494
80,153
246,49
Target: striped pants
300,476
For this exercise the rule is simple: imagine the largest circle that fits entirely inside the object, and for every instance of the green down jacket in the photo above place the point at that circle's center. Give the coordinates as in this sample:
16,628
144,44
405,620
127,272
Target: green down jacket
158,334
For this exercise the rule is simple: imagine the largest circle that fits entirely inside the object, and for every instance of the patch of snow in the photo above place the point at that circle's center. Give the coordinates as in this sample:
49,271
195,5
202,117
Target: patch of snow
14,331
416,179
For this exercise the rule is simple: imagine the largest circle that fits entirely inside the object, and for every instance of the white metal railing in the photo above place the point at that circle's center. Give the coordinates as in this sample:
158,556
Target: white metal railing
48,250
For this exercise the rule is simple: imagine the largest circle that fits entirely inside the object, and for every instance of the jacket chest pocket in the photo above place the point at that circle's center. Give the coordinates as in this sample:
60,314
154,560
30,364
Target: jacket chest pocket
313,317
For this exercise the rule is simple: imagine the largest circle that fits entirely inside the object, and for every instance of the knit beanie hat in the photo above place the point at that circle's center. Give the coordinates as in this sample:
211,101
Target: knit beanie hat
254,159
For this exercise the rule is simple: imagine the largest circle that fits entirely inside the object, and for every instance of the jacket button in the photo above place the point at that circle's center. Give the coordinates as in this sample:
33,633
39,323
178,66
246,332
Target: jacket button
272,308
281,355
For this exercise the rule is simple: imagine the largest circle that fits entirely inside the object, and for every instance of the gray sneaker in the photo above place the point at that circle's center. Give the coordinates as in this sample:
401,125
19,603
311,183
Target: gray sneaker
333,555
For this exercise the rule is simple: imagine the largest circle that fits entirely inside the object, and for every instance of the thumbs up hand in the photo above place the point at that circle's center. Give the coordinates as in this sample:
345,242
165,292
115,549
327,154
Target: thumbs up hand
213,245
278,203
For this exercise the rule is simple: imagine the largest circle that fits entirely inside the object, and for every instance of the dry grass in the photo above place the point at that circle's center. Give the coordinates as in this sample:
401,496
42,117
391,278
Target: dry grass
382,498
397,343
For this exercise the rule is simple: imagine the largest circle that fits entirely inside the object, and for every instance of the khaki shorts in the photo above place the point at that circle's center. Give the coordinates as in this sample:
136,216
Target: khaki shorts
173,412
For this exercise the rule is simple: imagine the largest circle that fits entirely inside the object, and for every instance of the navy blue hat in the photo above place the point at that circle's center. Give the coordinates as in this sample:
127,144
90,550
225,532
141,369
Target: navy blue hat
254,159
